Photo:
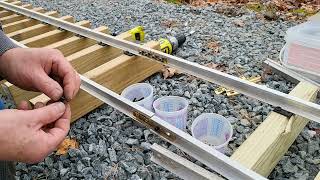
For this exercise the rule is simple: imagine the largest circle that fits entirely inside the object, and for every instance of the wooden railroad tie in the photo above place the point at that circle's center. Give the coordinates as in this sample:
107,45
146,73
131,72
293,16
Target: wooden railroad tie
113,69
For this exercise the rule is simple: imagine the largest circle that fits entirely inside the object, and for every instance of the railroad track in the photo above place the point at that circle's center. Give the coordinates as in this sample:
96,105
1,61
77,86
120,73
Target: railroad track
106,70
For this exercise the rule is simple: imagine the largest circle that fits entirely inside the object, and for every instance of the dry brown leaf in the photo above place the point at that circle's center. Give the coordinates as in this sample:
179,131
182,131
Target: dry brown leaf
66,145
214,46
239,23
198,3
169,72
169,23
219,67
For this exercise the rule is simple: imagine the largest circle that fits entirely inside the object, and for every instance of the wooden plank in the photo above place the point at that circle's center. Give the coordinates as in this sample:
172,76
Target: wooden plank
116,74
16,26
27,6
75,43
94,56
82,61
317,177
51,36
35,30
12,18
17,3
265,147
5,13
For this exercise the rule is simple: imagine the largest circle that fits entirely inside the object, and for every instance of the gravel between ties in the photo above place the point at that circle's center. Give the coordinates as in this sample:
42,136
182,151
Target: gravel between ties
112,146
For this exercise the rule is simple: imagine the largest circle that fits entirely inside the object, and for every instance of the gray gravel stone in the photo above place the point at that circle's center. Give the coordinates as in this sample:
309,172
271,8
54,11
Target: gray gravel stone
112,155
135,177
146,145
63,171
132,141
130,167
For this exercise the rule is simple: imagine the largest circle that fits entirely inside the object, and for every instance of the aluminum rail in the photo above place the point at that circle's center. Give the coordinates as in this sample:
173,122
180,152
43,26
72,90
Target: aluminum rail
287,102
288,72
180,166
202,152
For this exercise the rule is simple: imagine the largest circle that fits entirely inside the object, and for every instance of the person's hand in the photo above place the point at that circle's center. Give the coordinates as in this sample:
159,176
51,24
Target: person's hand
40,69
25,135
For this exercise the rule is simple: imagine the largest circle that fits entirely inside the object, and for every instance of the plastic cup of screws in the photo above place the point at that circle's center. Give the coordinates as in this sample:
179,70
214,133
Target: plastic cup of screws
172,109
212,129
141,94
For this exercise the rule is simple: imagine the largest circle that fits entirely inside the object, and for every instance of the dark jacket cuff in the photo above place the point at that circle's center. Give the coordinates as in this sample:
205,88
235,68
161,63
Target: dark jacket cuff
5,43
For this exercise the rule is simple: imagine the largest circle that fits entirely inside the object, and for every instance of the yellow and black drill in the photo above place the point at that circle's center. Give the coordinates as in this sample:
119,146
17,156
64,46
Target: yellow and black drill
171,44
167,45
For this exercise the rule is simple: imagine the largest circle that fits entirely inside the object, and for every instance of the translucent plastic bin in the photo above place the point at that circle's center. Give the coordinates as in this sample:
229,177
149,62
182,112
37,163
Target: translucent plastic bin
172,109
301,51
140,93
212,129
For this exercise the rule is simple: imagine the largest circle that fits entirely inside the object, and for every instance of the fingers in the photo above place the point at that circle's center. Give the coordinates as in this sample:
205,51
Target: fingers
39,105
48,114
48,86
23,105
71,80
60,130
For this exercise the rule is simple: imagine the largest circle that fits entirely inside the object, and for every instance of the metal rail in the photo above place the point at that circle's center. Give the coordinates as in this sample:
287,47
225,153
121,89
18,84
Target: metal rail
288,73
180,166
287,102
202,152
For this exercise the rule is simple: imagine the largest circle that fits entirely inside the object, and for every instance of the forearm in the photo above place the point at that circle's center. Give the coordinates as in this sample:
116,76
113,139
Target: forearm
5,45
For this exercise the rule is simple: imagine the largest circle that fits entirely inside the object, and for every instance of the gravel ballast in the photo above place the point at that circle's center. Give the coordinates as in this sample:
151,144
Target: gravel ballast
113,147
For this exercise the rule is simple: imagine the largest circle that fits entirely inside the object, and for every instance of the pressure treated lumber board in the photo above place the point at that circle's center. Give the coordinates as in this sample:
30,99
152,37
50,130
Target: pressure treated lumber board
317,177
12,18
51,36
265,147
35,30
5,13
25,23
82,61
74,44
116,74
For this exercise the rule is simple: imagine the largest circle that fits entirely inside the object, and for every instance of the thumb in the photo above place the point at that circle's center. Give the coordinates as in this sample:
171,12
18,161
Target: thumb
49,114
48,86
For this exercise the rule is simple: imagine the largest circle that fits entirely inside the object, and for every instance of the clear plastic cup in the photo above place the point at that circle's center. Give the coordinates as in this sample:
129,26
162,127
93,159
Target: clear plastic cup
212,129
172,109
140,93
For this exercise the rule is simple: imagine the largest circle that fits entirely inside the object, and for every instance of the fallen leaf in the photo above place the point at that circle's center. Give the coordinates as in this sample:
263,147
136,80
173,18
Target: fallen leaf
168,72
169,23
219,67
198,3
214,46
66,145
239,23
